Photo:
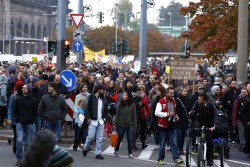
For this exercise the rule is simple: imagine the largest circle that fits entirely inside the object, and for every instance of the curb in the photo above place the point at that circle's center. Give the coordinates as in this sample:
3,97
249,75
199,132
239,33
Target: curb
62,140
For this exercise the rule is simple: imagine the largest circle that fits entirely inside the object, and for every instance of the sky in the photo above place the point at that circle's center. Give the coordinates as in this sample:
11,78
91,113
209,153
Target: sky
106,6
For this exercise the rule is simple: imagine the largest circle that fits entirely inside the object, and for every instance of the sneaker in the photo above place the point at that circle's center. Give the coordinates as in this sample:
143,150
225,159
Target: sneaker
116,153
161,162
195,149
99,156
233,142
18,162
84,153
168,148
157,147
182,153
178,161
130,156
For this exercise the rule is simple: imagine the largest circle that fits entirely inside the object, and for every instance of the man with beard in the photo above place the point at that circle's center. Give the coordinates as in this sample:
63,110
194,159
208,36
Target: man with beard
228,101
95,114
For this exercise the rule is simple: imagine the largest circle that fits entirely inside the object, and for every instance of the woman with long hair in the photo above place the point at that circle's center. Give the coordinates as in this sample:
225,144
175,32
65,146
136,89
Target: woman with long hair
125,122
182,124
160,93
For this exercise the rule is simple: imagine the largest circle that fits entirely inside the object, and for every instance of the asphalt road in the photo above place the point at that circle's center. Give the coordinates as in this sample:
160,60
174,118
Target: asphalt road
143,158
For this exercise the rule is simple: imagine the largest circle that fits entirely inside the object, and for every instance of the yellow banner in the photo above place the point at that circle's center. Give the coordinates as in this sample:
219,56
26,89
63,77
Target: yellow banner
94,56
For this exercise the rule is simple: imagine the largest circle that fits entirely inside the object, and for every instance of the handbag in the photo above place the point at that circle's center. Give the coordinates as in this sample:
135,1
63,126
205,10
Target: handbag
114,138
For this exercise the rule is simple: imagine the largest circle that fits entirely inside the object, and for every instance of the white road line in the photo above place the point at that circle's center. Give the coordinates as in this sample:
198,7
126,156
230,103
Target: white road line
217,162
109,150
193,163
238,162
146,153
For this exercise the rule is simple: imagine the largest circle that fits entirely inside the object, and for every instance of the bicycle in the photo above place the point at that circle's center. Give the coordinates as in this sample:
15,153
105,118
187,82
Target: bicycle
202,148
189,146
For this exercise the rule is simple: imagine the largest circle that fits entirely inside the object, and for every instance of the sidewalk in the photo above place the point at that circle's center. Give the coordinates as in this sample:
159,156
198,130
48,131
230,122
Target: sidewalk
65,138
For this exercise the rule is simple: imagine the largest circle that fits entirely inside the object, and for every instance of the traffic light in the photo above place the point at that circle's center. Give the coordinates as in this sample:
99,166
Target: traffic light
125,47
52,46
101,17
114,48
119,48
188,51
66,48
87,41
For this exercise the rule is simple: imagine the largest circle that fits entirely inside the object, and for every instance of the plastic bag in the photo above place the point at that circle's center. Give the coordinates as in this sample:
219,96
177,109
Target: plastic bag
114,139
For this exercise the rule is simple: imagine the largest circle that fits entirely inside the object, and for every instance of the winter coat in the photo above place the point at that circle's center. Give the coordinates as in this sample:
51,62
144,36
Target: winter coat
181,111
3,90
126,116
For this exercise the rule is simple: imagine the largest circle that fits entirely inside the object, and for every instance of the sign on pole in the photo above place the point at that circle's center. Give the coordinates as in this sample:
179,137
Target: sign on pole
77,19
182,69
77,34
68,78
77,46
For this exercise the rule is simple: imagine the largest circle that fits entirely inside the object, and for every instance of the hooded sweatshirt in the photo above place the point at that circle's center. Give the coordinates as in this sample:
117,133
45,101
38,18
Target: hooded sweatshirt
3,90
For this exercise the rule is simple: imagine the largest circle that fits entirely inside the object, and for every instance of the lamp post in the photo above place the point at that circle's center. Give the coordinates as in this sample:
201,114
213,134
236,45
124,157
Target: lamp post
170,18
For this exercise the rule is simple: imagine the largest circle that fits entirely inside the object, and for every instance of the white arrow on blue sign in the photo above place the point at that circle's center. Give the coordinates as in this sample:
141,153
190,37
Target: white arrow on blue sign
68,78
77,46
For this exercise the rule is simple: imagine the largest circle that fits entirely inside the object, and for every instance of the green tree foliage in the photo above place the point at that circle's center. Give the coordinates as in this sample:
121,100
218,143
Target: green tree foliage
172,10
125,9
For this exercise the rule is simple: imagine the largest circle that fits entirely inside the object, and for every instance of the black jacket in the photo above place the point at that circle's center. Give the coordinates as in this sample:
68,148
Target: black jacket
92,107
228,100
52,108
63,90
205,115
245,112
25,110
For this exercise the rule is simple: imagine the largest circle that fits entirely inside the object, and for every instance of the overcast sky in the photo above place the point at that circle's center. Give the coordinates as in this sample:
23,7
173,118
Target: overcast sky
106,6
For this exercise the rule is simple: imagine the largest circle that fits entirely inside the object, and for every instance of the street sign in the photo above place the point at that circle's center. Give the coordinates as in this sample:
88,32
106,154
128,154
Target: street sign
77,46
68,78
77,19
77,34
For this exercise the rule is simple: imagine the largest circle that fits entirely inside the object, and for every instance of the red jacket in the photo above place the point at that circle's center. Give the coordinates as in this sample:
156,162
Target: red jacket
145,111
163,122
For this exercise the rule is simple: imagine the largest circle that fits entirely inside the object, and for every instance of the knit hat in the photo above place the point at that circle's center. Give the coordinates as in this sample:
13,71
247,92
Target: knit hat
29,88
54,85
18,86
239,83
214,88
60,158
34,79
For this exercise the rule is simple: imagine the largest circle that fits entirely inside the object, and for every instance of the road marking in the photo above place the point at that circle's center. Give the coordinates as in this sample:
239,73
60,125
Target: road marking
217,162
238,162
193,163
109,150
146,153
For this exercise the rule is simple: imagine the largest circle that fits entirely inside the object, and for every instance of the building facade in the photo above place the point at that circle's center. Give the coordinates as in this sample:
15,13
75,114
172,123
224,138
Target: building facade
25,24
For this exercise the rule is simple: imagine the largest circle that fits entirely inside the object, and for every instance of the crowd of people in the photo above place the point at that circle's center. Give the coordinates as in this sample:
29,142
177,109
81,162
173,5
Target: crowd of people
138,104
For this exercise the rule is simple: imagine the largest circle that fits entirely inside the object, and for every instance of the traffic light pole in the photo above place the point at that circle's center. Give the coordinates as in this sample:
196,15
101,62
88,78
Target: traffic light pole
80,55
143,34
61,35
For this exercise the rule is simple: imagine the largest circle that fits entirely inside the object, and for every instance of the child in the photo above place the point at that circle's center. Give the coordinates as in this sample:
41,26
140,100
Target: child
80,130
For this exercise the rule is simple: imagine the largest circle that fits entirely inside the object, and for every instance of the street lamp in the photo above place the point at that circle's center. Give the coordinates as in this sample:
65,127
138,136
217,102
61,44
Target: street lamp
170,18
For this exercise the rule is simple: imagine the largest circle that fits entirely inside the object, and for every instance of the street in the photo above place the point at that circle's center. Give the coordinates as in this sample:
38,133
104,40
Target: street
143,158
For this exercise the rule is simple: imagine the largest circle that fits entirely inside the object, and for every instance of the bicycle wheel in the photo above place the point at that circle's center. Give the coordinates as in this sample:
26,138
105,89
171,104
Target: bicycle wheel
188,152
201,161
222,154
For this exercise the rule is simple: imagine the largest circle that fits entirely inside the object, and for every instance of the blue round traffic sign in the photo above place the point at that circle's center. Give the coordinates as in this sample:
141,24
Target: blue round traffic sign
68,78
77,46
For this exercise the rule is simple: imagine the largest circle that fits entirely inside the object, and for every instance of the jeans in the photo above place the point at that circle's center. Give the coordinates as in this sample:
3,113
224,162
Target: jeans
24,135
56,128
95,132
240,127
80,135
121,130
181,133
38,123
167,134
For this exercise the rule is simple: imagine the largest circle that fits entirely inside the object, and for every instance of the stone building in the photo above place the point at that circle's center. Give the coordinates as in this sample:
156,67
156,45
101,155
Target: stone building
25,24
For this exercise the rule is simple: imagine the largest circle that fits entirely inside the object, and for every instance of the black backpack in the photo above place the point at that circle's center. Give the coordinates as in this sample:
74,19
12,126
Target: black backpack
223,123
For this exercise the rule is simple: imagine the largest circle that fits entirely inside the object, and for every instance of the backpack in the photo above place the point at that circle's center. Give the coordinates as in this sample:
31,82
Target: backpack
223,123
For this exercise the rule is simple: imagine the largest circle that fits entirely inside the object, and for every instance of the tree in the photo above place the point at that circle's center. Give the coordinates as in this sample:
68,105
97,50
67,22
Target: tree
171,11
125,9
214,25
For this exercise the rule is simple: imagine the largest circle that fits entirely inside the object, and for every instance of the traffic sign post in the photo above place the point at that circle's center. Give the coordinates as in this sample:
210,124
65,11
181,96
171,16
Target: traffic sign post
68,78
77,46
